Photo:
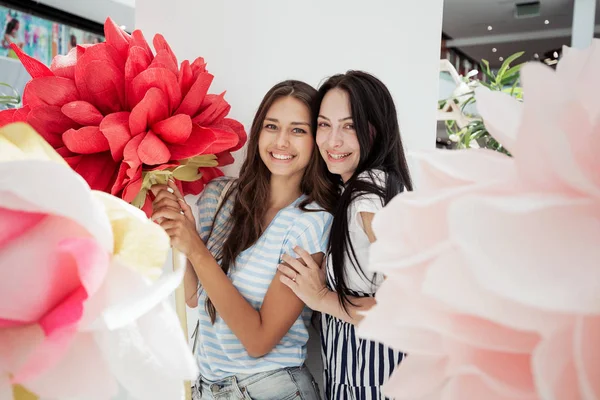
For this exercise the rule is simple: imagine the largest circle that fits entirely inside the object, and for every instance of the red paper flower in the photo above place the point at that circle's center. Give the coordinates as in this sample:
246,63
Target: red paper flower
115,109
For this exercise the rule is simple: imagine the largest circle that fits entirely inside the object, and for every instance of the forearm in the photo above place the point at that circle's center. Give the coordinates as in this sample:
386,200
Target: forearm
190,284
243,320
330,304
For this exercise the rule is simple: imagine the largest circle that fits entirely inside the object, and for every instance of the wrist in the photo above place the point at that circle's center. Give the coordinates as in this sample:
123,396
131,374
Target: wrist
323,300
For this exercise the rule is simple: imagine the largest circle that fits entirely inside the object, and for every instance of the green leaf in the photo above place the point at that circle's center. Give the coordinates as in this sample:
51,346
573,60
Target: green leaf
506,65
485,67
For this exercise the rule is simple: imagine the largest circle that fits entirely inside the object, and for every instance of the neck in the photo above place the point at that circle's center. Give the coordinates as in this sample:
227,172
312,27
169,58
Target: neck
284,190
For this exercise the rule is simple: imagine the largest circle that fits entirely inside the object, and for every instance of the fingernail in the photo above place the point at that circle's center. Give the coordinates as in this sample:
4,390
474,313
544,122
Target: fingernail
181,200
171,180
170,190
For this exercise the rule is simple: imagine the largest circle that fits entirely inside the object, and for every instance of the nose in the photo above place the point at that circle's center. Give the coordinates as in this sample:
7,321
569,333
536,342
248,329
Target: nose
282,139
334,140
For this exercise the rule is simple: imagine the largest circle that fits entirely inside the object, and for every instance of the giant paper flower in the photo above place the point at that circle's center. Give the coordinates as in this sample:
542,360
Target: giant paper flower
82,306
116,109
493,265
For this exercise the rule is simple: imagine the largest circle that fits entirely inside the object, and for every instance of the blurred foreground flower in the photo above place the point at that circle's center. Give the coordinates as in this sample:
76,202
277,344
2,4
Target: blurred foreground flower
82,306
493,265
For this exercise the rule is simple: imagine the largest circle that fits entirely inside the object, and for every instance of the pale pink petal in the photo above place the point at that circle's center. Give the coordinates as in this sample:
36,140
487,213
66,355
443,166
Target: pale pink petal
82,373
467,296
416,377
501,114
552,165
587,355
554,368
524,260
71,197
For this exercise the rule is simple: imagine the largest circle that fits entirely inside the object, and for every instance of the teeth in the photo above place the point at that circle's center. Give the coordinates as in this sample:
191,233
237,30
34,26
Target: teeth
281,156
338,156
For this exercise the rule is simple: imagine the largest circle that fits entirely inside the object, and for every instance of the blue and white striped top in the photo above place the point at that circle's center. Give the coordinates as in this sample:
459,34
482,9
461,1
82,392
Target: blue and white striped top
219,352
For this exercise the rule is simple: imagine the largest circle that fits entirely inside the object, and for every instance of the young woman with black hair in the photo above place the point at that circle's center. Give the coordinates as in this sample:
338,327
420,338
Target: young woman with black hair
359,140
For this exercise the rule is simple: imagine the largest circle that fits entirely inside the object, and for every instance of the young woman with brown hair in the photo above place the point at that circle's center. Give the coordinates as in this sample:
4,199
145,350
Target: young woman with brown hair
253,330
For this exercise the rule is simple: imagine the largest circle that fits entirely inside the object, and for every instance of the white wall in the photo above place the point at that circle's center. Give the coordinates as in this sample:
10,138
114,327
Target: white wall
251,45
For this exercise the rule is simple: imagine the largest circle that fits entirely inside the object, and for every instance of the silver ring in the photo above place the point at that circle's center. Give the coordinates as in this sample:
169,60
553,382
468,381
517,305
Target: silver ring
294,278
181,212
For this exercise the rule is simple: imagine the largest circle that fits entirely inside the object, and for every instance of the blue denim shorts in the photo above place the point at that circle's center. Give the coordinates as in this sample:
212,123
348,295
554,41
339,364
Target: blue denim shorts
280,384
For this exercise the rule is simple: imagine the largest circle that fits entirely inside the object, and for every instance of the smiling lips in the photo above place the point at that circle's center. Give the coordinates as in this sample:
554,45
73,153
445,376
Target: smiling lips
337,157
282,156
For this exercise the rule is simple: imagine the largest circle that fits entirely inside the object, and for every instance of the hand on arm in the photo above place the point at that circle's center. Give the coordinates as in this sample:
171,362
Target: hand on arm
308,283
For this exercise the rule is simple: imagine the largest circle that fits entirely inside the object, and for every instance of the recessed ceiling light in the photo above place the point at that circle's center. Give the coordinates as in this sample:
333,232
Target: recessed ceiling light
555,54
494,50
501,59
536,55
490,28
546,22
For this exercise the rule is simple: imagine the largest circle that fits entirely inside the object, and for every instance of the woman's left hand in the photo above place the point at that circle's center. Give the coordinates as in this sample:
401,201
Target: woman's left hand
175,216
307,280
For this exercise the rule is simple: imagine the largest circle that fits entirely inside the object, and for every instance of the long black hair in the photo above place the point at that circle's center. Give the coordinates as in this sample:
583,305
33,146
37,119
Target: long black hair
378,133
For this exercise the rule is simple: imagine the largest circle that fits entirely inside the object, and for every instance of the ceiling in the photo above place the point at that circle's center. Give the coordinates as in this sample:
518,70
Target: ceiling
467,21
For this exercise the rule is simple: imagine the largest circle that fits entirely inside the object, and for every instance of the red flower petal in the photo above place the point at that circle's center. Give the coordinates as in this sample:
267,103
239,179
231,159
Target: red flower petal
50,123
198,66
164,60
97,169
195,97
200,140
22,114
99,78
238,128
213,110
160,78
161,44
130,154
121,180
86,140
105,84
82,112
138,40
226,139
150,110
176,129
152,150
225,158
138,60
35,68
64,66
133,188
185,77
50,90
6,117
64,152
115,128
117,37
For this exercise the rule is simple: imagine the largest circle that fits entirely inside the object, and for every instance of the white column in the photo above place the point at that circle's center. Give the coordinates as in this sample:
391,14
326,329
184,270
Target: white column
584,15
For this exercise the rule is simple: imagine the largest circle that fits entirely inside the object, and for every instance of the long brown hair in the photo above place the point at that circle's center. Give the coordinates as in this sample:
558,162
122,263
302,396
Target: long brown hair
253,185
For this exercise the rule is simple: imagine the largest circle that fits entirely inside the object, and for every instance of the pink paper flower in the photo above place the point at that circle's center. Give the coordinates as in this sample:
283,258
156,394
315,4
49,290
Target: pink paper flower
493,265
81,304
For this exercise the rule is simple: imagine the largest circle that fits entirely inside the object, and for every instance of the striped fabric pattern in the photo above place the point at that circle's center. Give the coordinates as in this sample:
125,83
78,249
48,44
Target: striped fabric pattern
354,368
220,353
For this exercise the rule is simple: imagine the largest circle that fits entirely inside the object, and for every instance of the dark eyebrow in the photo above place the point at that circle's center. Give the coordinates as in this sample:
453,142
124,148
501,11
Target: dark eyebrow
301,123
340,120
272,119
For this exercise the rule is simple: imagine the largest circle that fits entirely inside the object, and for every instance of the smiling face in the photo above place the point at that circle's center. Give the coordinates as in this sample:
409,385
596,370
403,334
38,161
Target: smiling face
336,135
285,143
